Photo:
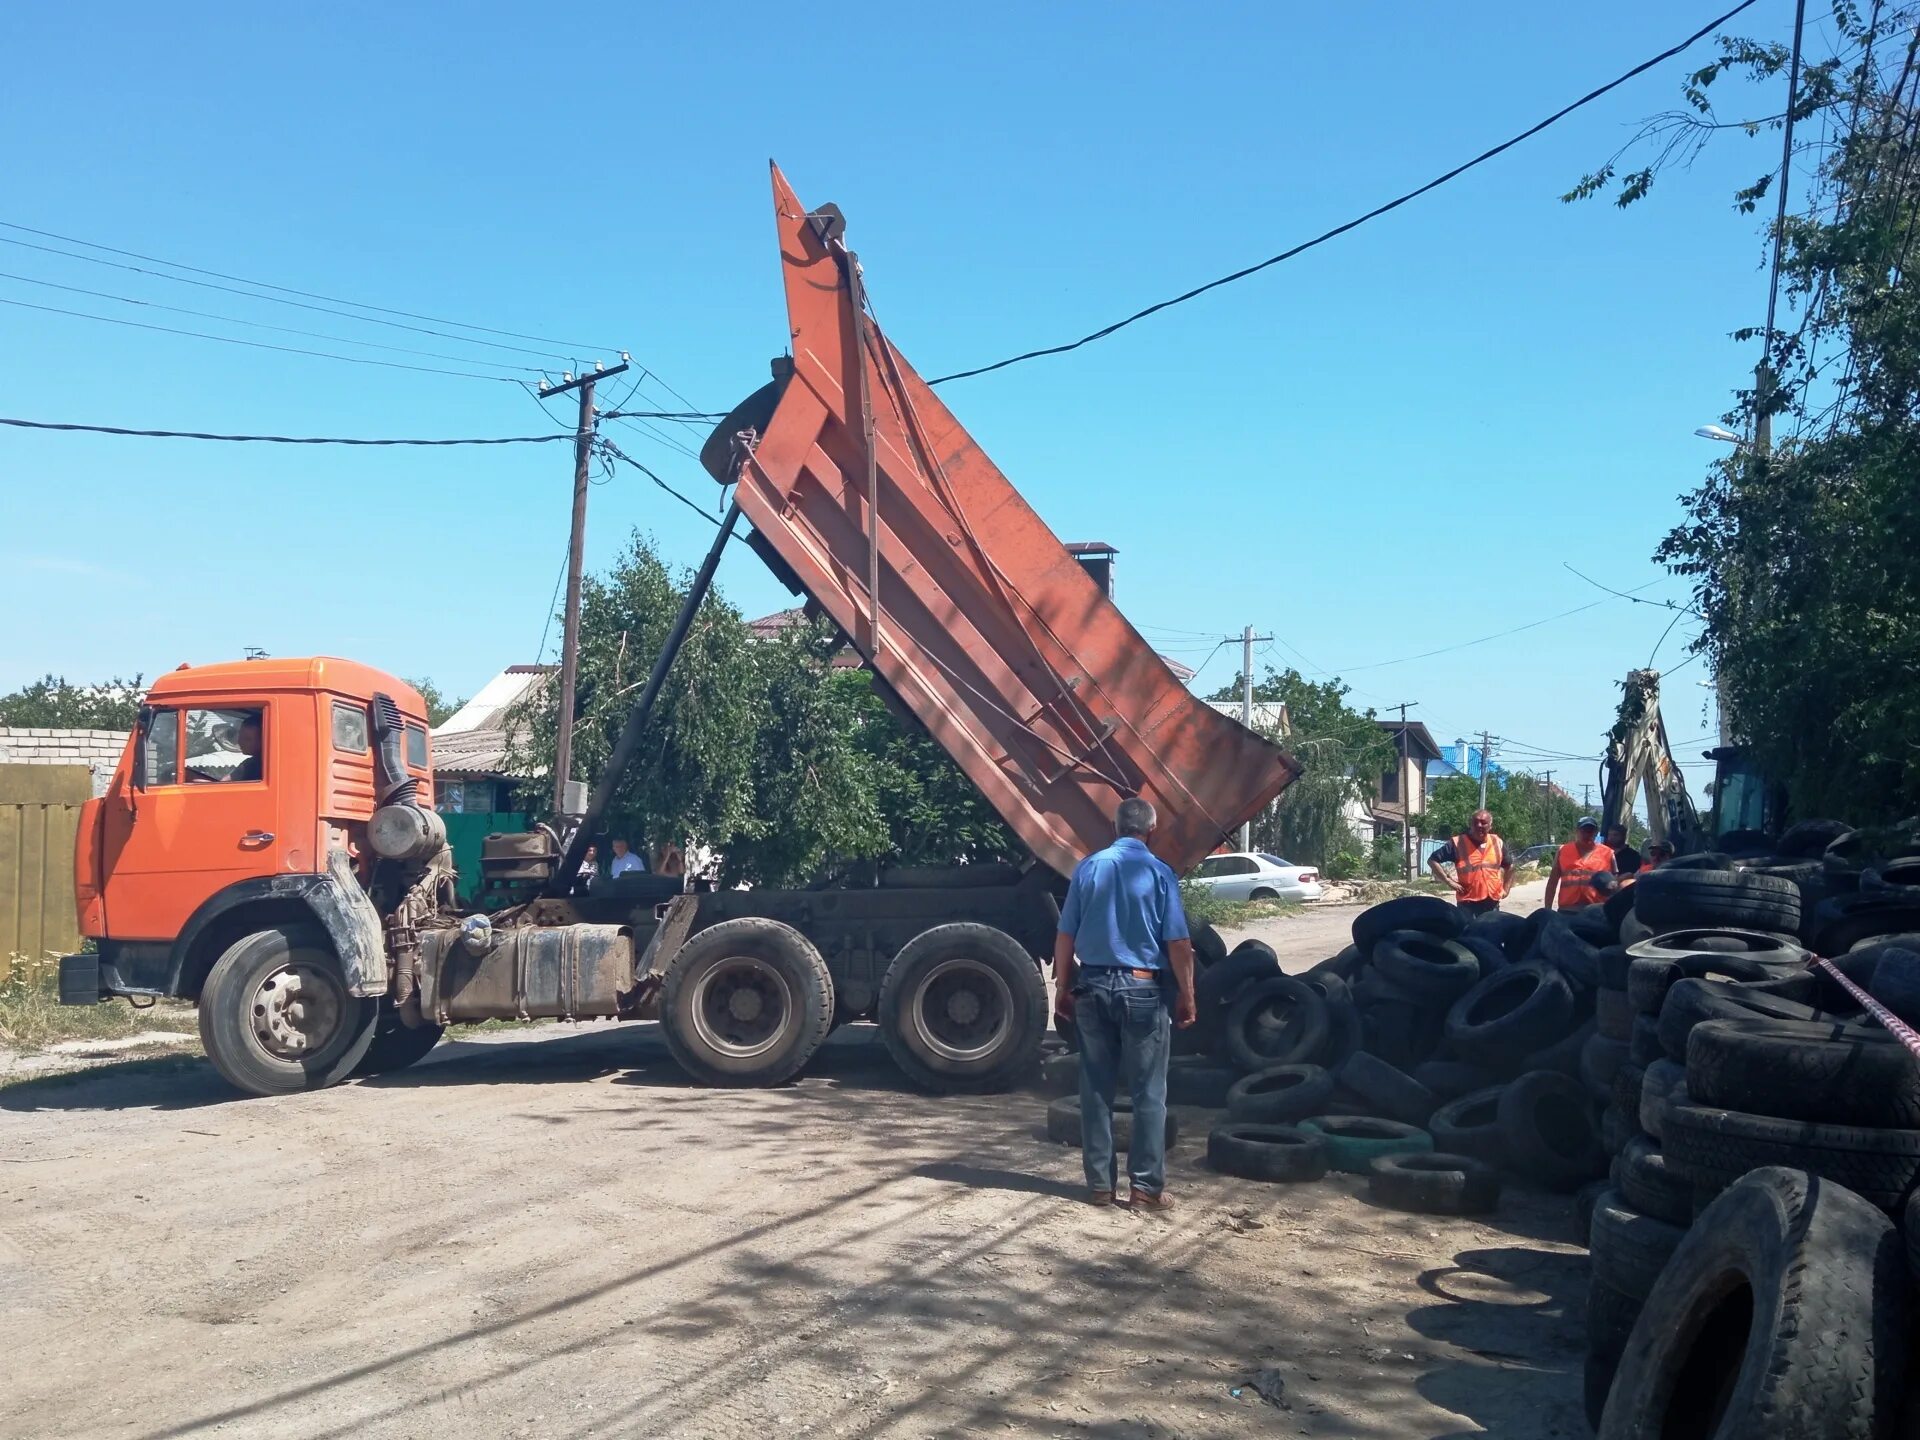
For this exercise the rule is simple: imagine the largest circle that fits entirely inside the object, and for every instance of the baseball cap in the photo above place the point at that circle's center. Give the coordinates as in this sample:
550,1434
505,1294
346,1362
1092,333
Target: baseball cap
1587,822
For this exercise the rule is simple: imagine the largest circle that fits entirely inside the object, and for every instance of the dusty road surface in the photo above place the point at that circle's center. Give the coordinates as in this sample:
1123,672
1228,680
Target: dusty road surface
556,1236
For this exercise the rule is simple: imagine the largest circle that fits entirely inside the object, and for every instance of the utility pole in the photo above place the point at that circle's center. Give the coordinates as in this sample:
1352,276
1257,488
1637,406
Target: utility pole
1247,637
576,545
1406,800
1586,798
1486,758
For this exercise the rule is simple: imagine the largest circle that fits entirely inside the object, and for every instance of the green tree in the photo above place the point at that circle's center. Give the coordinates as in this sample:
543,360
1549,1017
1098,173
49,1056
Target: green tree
1525,811
53,703
439,708
1341,751
1804,557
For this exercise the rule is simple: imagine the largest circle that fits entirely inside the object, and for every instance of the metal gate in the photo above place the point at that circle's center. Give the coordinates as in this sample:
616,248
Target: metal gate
39,813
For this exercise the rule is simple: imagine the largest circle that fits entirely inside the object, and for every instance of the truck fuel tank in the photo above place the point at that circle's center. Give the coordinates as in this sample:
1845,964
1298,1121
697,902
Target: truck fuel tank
478,972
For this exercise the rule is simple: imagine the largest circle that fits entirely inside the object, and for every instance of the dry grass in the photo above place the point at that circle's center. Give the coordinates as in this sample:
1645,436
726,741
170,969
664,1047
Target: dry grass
32,1017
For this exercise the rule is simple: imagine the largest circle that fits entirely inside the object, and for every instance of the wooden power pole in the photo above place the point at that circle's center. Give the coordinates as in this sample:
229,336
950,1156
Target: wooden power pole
576,546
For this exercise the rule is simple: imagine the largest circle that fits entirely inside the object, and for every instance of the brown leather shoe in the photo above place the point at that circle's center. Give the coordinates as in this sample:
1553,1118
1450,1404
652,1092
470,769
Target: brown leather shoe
1100,1197
1144,1200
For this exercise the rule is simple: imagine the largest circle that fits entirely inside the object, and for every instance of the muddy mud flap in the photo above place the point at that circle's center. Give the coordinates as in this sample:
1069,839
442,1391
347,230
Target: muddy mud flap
352,924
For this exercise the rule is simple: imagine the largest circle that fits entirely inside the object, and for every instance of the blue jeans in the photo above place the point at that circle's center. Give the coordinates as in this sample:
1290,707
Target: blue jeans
1124,1026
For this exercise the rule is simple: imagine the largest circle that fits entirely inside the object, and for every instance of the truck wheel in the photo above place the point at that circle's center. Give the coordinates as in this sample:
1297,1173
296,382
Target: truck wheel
746,1002
963,1008
396,1045
276,1016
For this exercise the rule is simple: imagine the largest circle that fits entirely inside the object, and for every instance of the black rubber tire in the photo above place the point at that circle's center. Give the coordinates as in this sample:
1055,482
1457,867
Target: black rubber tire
998,973
1616,1129
1208,948
1592,924
1396,1031
1354,1142
1450,1079
1610,1319
1784,1312
1627,1081
1613,967
1284,1153
1425,966
1600,1061
1649,979
1194,1080
1768,947
1060,1074
1691,1002
1063,1122
1280,1021
1896,981
1584,1200
1344,1030
1644,1047
1434,1184
1499,926
1712,1148
1613,1014
1662,1083
1574,955
1387,1091
1676,898
1825,1071
1844,922
1217,987
1634,931
1428,914
1630,1249
1512,1014
1520,943
1489,952
1471,1126
1280,1094
1742,843
396,1045
1617,906
1910,1234
1256,947
1347,964
1641,1176
1547,1131
783,954
226,1015
1563,1056
1807,839
1700,860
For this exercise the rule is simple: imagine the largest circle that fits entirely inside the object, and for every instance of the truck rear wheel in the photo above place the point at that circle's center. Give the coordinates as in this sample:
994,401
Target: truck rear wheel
396,1044
963,1009
276,1016
746,1002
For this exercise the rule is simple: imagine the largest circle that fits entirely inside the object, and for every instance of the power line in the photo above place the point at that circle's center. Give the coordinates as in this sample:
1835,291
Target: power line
254,324
608,447
276,300
1358,221
270,439
258,344
1468,644
565,345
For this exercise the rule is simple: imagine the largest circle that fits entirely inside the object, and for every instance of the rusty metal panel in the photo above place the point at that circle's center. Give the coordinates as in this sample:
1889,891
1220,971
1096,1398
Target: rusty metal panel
39,815
986,629
563,971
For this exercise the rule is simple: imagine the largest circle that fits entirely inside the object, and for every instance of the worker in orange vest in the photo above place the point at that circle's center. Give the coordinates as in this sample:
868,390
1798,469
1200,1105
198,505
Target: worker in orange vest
1578,867
1482,868
1658,853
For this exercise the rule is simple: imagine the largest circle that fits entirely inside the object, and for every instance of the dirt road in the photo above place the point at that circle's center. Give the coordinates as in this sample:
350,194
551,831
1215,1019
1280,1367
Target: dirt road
556,1236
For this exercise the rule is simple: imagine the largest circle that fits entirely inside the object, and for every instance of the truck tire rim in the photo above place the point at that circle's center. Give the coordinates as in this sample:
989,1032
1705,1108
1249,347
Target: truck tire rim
962,1010
741,1007
297,1010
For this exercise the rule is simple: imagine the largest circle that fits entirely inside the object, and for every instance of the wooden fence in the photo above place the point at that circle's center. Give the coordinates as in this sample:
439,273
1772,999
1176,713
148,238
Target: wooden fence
39,814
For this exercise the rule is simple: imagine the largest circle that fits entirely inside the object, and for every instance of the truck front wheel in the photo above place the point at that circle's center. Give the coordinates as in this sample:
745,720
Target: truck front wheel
746,1002
963,1009
276,1016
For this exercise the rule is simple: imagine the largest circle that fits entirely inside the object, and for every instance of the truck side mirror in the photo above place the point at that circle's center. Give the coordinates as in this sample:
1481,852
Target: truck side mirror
141,726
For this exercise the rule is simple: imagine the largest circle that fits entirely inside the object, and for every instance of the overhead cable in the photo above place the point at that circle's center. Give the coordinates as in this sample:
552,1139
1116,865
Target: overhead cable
568,345
273,439
1360,220
260,344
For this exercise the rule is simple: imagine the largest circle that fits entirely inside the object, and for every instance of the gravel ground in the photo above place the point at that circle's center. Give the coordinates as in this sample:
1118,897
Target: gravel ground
551,1234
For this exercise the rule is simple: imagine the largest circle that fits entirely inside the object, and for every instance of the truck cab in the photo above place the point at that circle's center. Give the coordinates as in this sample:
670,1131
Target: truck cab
239,808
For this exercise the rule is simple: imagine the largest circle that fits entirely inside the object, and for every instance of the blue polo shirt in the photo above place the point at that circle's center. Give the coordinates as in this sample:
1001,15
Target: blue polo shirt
1123,907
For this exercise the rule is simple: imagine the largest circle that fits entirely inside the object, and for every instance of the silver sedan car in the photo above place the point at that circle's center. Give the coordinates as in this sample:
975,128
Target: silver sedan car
1253,875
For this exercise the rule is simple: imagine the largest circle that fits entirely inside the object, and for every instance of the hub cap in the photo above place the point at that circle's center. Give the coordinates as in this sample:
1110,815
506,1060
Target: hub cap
297,1010
741,1006
963,1010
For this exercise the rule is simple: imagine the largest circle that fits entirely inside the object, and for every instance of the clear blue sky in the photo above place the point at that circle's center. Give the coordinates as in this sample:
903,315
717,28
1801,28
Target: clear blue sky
1384,447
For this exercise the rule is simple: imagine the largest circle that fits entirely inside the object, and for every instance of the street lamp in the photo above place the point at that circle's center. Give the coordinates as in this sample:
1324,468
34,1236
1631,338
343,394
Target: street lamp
1720,433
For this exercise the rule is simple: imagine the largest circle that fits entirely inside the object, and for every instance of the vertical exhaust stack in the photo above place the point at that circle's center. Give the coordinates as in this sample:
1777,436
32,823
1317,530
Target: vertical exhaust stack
885,511
401,828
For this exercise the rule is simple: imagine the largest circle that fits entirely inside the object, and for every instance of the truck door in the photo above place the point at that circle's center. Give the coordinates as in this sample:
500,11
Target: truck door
204,814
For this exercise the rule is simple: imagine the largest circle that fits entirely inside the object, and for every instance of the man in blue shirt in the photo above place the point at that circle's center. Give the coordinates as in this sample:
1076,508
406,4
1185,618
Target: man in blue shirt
1122,955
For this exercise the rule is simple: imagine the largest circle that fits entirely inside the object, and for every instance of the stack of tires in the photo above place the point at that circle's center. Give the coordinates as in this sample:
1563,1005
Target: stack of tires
1748,1270
1434,1054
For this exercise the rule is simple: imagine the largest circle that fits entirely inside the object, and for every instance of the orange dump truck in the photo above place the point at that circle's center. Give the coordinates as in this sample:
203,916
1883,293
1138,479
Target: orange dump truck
268,847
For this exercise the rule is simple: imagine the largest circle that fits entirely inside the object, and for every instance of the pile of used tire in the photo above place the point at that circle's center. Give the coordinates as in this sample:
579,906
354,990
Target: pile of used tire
1436,1054
1749,1275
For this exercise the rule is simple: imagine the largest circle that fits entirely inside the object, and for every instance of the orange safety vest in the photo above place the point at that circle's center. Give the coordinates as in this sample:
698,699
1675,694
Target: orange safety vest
1577,872
1478,867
